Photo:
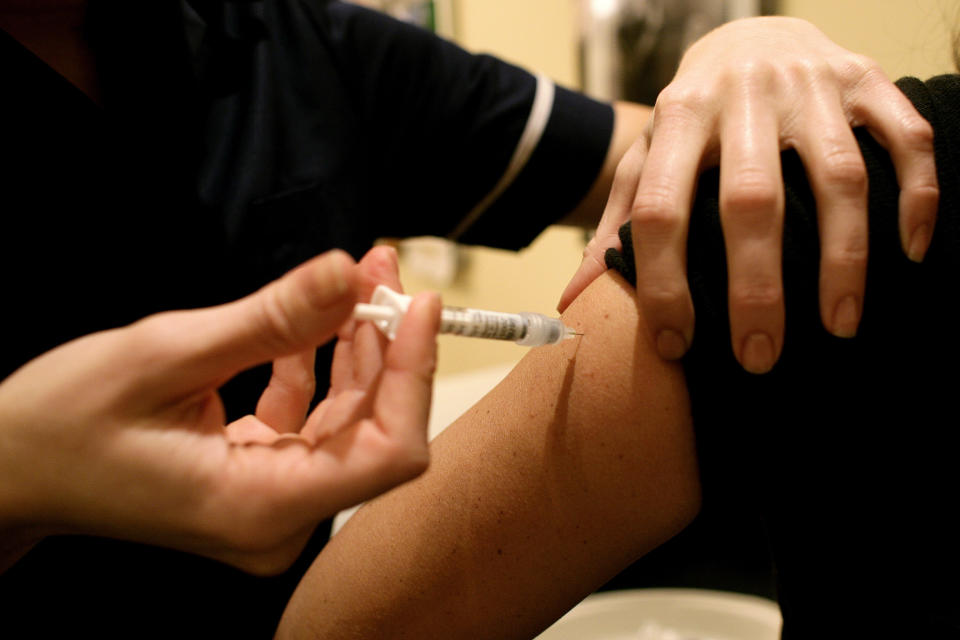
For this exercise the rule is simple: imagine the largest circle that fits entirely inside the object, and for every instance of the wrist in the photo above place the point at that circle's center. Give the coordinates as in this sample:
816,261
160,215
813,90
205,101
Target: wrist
18,534
15,542
19,531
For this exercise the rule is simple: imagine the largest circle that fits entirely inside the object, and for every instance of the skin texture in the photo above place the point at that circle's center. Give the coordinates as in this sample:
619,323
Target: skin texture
122,433
743,93
587,444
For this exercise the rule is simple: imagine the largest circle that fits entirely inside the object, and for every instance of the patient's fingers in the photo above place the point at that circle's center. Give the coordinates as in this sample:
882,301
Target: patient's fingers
660,215
838,178
751,210
908,137
615,214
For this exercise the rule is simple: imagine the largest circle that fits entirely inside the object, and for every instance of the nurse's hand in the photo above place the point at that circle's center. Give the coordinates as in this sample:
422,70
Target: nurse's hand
742,94
122,433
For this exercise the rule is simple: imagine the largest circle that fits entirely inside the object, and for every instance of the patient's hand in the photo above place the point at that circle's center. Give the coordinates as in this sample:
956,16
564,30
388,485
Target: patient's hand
122,433
743,93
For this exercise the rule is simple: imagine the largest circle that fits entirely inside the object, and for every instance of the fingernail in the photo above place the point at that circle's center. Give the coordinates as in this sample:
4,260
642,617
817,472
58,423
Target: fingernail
846,317
758,354
394,256
919,242
671,345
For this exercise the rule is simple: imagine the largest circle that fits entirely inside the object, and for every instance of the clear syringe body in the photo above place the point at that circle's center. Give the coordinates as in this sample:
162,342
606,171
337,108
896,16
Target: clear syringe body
524,328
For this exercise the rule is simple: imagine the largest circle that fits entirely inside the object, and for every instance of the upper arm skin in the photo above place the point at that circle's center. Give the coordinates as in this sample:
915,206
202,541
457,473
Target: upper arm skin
630,119
579,462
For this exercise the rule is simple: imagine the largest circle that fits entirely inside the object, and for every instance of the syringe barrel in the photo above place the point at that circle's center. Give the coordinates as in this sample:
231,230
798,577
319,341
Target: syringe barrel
528,329
483,324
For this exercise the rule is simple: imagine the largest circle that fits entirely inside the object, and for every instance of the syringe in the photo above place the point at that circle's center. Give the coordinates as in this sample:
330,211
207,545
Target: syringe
528,329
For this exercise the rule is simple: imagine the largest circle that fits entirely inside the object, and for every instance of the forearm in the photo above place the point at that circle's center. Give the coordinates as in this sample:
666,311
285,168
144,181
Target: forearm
579,462
630,119
19,528
14,544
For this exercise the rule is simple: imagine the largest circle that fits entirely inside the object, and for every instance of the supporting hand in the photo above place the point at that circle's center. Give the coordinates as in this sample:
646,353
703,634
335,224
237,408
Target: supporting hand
743,93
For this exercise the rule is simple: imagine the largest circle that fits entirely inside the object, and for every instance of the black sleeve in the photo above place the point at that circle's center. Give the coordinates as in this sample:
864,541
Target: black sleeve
847,447
441,125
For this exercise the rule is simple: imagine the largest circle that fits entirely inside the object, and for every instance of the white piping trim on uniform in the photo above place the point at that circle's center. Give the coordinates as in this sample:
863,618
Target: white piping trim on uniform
529,139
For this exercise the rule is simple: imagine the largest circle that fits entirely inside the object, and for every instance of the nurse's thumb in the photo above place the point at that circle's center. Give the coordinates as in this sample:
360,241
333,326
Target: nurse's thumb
301,310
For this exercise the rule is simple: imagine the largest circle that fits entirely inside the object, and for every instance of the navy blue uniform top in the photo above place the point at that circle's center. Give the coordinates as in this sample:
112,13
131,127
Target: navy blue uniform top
238,139
387,130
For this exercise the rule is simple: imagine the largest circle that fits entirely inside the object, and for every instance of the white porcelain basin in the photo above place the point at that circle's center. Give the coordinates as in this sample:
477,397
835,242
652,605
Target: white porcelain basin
668,614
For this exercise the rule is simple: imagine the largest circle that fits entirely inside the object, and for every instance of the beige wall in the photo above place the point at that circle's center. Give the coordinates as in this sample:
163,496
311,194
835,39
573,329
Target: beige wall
538,34
905,36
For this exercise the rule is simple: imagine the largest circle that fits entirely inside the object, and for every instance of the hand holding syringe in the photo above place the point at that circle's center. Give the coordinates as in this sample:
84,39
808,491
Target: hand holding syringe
527,329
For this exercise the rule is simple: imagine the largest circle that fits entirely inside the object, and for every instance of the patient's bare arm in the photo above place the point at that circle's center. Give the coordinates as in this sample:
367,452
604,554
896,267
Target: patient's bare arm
579,462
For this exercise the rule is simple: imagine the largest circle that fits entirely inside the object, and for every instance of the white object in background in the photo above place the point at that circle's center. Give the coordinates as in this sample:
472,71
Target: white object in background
736,9
434,260
694,614
444,20
601,25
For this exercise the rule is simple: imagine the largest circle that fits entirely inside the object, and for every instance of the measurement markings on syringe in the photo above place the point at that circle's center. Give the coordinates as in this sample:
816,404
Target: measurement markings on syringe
482,324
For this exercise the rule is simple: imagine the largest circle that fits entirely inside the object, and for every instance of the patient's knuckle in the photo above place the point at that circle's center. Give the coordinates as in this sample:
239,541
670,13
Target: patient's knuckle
654,211
917,133
752,74
856,71
848,255
757,293
660,293
925,197
844,168
752,191
868,70
681,104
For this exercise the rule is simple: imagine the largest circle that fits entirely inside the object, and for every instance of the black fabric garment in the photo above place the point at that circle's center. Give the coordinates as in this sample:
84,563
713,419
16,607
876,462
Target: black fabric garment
847,448
234,144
